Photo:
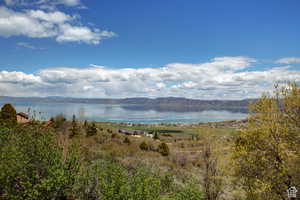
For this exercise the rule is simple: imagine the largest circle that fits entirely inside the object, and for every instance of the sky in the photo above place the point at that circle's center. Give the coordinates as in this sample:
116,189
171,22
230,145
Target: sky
201,49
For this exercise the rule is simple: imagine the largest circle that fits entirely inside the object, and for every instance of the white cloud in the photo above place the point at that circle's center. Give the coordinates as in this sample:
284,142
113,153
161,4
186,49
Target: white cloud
70,2
55,17
81,34
17,23
43,3
18,78
288,60
41,24
221,78
26,45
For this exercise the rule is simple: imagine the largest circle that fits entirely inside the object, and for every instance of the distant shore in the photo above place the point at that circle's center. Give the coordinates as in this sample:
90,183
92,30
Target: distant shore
217,124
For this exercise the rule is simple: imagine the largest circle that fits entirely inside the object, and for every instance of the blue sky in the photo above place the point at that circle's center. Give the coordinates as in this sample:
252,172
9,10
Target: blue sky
73,36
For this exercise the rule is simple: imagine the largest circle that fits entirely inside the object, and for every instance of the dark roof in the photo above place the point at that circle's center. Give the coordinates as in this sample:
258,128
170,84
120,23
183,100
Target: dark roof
130,132
23,115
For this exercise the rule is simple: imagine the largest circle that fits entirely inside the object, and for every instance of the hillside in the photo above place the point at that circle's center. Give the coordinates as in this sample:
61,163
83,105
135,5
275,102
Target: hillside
165,104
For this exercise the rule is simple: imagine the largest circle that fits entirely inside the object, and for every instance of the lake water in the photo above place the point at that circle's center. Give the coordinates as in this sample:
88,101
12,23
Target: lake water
123,113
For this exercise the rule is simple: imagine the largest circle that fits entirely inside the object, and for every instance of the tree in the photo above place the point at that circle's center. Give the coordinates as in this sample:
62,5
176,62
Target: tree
163,149
127,141
74,129
212,173
91,130
144,146
156,137
8,115
267,153
85,124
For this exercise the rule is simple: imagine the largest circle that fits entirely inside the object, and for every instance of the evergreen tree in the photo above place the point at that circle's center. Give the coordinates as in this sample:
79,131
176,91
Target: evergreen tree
74,129
85,124
163,149
127,141
8,115
156,137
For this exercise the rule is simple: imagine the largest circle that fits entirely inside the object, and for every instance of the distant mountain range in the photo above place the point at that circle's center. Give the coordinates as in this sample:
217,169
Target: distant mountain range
164,103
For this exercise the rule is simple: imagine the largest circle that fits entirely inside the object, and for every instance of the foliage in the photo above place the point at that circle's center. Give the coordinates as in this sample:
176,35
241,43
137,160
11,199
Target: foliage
126,141
267,153
85,124
156,137
189,192
213,175
107,179
74,129
59,122
8,115
91,130
33,165
163,149
144,146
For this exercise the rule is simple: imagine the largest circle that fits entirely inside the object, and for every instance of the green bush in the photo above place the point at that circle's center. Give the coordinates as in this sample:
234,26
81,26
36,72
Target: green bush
163,149
189,192
59,122
8,115
144,146
33,166
127,141
91,130
74,130
109,180
156,137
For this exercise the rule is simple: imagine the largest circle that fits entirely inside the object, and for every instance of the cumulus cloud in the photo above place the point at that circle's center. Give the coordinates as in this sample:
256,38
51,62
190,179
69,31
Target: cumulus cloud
43,3
53,24
289,60
82,34
220,78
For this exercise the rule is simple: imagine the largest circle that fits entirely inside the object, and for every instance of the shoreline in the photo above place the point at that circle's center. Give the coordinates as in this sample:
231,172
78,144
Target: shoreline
233,123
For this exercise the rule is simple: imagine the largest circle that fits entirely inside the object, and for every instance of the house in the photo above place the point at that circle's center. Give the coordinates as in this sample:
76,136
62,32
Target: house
127,132
135,133
22,118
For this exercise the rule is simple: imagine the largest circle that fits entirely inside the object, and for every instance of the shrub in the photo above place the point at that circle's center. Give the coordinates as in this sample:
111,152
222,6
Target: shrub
163,149
74,129
127,140
85,124
91,130
8,115
144,146
59,122
156,137
189,192
109,180
33,165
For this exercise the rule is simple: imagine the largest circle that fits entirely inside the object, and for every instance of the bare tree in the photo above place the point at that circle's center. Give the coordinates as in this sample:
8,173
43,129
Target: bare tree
212,173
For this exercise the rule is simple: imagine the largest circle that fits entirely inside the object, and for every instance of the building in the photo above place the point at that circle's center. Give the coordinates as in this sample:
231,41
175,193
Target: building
135,133
22,118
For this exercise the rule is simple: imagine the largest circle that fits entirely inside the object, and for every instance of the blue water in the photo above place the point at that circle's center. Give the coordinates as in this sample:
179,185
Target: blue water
121,113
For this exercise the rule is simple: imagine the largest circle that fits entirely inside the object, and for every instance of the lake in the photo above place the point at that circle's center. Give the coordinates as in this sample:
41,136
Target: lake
124,113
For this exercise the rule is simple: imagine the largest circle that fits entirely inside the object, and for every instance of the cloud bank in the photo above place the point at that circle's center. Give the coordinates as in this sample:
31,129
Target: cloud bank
43,3
49,24
220,78
288,60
